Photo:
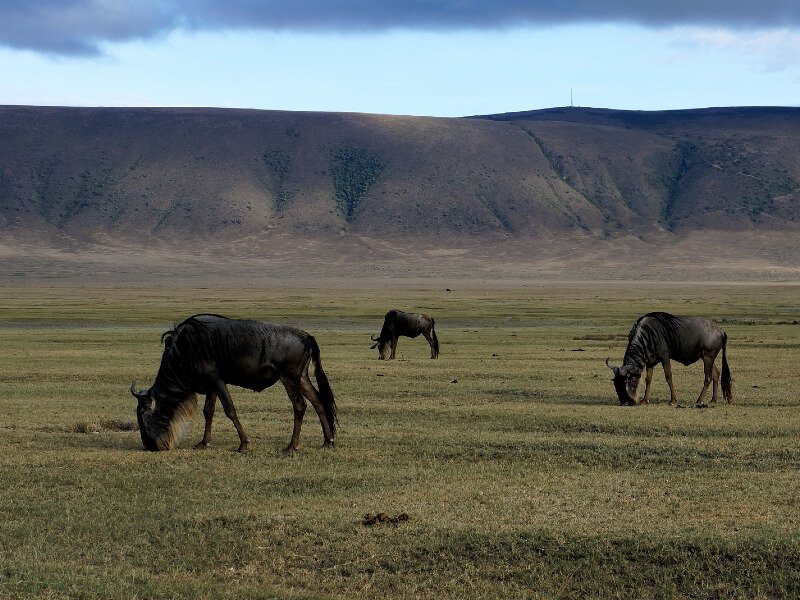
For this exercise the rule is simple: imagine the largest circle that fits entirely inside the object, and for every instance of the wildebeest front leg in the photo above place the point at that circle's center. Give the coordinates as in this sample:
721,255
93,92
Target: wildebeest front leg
299,408
393,346
208,413
311,393
668,376
648,378
230,412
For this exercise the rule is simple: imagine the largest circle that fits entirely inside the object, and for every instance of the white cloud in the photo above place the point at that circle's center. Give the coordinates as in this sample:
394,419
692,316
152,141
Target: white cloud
770,50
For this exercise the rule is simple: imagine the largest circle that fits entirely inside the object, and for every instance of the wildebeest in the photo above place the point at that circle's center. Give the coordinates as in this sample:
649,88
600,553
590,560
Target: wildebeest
206,352
659,337
397,323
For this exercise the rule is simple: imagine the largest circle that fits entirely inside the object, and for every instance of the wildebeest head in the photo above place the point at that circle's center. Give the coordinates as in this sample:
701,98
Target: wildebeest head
162,417
626,382
381,345
145,405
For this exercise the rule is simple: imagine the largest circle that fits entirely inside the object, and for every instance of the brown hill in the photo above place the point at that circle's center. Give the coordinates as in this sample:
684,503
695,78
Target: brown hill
560,192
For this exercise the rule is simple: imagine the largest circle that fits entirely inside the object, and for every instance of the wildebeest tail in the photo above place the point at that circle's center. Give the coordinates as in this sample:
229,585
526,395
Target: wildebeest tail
325,391
435,339
727,380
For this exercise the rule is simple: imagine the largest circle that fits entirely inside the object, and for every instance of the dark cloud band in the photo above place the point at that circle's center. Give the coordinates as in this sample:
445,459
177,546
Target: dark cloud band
80,27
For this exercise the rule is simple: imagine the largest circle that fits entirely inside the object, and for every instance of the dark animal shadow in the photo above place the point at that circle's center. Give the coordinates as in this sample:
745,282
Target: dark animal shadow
545,398
105,440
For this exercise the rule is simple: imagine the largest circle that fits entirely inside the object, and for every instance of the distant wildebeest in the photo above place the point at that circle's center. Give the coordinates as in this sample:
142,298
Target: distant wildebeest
659,337
206,352
397,323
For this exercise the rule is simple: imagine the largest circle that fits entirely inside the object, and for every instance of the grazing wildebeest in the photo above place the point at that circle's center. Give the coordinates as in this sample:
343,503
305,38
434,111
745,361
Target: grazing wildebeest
206,352
397,323
659,337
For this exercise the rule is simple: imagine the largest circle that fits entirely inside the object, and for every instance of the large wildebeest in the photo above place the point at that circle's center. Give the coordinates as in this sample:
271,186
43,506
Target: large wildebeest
397,323
659,337
206,352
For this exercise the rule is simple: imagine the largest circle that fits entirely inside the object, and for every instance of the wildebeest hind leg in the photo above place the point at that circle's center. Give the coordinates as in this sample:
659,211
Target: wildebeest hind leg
430,343
299,408
208,413
708,367
230,412
715,379
310,392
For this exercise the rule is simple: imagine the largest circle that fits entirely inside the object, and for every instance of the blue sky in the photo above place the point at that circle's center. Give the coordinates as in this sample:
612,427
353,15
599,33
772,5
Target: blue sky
446,63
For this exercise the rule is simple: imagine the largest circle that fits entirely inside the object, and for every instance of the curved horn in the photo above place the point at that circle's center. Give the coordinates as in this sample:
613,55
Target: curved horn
373,338
610,367
138,395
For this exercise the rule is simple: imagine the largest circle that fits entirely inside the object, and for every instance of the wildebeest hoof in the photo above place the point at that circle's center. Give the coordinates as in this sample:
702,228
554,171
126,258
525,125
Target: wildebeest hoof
201,445
701,405
242,449
289,450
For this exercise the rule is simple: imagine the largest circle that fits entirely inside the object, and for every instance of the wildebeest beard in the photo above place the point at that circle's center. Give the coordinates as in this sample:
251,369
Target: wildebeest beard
162,425
623,393
383,349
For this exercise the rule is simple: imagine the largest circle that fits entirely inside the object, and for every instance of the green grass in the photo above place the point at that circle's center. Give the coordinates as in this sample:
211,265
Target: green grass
521,474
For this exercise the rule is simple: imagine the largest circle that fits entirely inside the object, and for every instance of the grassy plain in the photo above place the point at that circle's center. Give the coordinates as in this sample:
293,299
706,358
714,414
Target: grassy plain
522,476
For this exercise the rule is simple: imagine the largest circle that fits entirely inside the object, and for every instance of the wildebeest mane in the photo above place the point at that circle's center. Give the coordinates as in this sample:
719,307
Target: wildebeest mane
663,318
389,325
195,321
665,321
176,341
169,335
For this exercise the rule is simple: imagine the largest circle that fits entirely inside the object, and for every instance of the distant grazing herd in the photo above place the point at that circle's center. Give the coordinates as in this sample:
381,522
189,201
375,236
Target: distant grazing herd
206,352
